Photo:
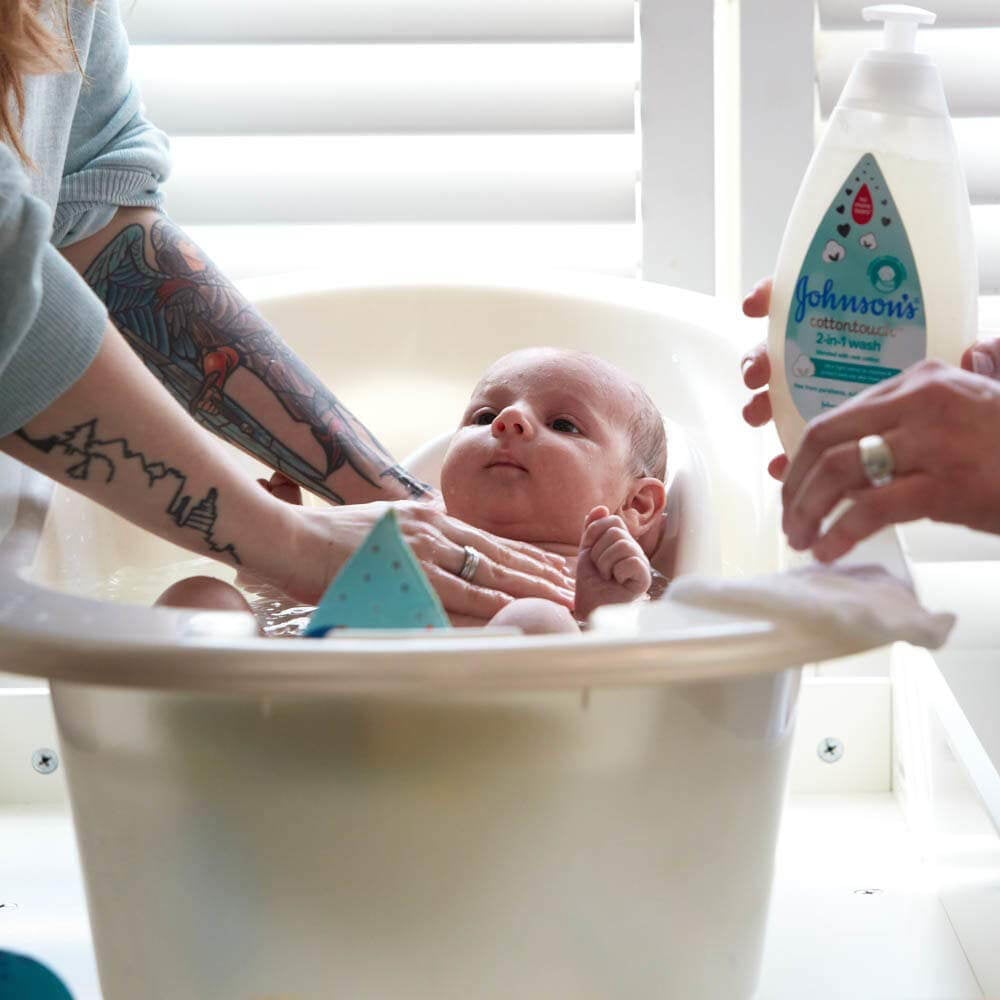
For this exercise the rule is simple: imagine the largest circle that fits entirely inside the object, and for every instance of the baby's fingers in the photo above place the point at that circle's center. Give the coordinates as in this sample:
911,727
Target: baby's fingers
620,550
596,529
633,574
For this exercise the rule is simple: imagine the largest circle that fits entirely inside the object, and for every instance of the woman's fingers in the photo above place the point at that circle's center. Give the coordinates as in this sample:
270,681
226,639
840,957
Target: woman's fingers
836,475
777,467
904,499
850,422
282,488
495,576
758,411
521,557
758,303
491,588
462,598
439,541
983,358
906,398
756,367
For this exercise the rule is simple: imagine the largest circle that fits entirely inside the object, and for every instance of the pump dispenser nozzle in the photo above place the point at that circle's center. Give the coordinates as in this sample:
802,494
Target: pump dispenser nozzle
901,23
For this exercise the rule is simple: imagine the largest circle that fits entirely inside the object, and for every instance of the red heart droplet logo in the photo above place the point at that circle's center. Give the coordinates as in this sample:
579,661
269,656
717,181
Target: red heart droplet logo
861,209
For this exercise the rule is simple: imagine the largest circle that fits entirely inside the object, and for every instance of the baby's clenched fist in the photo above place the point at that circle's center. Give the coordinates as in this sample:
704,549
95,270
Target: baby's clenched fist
611,567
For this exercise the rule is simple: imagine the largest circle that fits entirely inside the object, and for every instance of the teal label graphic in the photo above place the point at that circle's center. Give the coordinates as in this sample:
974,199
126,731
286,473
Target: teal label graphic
380,587
22,978
857,312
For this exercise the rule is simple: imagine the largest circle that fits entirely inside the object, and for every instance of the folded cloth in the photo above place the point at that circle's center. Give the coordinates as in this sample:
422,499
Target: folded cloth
865,602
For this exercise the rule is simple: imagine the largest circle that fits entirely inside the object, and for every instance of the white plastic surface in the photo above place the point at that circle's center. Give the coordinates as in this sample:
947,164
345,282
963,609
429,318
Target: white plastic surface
901,23
546,818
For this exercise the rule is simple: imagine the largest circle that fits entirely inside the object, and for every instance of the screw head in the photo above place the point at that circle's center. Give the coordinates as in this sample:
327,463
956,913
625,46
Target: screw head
830,749
44,761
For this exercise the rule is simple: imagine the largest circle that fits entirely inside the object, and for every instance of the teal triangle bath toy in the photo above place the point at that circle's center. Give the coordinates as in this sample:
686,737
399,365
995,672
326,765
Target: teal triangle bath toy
22,978
380,587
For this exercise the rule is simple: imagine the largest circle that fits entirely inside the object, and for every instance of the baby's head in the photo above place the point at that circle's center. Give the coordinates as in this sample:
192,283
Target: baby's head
547,436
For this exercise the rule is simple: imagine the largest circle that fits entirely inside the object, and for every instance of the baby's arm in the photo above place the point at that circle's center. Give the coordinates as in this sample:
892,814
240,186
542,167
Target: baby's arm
611,567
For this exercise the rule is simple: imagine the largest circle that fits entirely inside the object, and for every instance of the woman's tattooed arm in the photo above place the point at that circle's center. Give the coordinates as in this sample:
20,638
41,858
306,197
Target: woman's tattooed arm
202,339
93,457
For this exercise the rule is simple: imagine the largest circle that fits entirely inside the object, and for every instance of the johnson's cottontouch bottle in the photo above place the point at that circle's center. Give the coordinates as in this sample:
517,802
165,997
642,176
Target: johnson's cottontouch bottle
877,267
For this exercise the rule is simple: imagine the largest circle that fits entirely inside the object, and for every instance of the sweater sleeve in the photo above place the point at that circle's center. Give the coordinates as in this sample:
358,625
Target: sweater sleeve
51,323
116,158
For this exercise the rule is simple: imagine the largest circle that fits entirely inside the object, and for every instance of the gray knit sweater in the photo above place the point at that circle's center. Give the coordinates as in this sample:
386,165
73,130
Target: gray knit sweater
92,152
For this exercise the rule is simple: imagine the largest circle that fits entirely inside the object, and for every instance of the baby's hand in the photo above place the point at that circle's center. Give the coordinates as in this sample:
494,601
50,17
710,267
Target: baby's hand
611,567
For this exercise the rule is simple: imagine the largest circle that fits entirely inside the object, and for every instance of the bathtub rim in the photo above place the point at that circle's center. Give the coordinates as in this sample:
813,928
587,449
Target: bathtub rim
175,646
160,649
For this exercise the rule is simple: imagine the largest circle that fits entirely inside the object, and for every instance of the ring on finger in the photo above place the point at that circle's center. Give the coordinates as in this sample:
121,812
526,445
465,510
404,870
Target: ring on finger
470,563
876,459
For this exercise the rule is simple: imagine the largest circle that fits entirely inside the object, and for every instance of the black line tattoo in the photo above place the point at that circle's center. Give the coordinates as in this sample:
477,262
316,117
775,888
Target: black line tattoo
194,330
94,457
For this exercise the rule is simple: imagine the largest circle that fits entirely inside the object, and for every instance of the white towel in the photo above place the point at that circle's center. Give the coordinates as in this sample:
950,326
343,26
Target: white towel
865,602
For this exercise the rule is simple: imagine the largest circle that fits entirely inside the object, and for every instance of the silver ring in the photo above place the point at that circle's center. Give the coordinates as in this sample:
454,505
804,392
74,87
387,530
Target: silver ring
876,459
470,564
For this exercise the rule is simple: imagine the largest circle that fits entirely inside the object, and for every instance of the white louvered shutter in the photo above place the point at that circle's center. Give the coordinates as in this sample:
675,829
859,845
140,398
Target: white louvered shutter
965,44
365,133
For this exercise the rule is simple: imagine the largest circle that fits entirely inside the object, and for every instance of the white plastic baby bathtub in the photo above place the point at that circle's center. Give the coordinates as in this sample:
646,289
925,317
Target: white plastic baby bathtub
450,817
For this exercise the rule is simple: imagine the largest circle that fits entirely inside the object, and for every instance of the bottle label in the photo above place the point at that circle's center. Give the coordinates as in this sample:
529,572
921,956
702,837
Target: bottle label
857,314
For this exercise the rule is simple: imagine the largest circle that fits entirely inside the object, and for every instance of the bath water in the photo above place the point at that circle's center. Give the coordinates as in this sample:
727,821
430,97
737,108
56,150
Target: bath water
278,616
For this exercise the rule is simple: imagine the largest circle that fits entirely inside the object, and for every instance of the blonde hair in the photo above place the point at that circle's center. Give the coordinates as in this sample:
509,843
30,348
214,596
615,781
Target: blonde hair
28,45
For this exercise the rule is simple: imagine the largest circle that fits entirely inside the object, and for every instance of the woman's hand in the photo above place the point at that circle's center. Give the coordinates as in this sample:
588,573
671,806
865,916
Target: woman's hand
507,569
943,428
983,358
756,367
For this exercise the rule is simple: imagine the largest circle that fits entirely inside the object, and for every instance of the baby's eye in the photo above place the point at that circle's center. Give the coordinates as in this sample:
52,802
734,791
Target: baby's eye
483,418
564,426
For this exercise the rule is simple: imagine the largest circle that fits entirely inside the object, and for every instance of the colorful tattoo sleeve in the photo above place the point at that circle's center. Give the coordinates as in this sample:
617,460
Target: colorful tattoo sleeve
194,330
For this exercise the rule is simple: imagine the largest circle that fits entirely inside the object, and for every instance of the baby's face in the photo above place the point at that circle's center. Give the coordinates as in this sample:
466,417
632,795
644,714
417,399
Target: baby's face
543,441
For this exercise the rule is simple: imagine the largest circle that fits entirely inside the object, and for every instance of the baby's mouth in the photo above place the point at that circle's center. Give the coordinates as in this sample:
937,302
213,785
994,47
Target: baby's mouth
504,462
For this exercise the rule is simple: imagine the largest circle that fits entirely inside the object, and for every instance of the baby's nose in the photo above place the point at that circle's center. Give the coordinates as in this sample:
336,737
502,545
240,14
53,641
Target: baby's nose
512,421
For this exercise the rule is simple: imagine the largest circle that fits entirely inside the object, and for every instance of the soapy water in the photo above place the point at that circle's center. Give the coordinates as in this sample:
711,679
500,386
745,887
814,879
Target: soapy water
278,615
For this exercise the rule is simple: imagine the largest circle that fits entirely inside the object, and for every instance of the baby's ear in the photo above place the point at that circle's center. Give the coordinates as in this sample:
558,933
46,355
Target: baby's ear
643,505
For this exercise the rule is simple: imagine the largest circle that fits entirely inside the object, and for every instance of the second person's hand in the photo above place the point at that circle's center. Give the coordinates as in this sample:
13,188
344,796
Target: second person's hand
982,357
756,368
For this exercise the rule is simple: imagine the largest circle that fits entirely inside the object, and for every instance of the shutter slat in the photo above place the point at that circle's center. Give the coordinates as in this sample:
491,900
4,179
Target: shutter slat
312,179
951,13
967,58
229,21
978,142
279,90
251,251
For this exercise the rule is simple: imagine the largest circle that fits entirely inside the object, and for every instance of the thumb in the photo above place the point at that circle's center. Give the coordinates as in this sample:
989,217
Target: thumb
596,514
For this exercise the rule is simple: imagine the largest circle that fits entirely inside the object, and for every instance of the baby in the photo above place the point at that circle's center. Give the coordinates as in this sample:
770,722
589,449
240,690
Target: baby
561,449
